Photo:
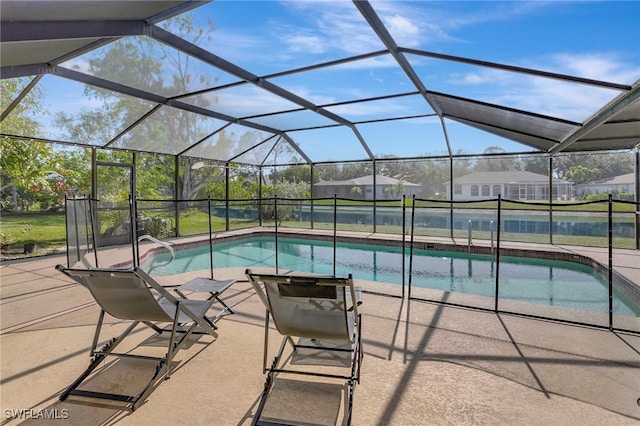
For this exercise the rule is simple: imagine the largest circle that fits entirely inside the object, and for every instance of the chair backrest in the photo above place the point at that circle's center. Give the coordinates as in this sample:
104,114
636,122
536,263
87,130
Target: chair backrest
122,294
309,306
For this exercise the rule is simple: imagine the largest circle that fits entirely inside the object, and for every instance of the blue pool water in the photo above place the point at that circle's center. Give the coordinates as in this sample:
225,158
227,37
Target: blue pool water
542,281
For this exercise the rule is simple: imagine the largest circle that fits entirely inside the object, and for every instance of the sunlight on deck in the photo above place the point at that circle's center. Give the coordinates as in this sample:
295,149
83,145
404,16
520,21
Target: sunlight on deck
424,363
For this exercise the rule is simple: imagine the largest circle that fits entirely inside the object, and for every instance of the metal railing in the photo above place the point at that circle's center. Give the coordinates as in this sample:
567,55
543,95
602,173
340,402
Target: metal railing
163,244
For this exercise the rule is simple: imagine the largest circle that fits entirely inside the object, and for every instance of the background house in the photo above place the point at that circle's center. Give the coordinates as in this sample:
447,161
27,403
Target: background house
387,188
614,185
513,185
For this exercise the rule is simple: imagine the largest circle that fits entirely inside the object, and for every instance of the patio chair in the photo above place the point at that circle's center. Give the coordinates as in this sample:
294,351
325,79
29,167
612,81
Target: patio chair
322,313
132,295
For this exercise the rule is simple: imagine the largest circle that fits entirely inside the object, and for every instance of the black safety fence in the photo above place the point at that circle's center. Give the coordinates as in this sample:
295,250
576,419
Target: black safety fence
542,260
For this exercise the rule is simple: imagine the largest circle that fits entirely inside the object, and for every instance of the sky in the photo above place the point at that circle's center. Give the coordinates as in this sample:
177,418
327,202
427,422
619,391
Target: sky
592,39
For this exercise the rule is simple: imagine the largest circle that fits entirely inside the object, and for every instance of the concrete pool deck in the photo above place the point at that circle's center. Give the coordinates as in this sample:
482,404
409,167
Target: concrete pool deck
424,363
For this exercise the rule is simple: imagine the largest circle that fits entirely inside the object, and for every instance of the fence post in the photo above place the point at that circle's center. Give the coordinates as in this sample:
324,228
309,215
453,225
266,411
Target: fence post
498,225
550,199
226,191
610,277
93,207
259,175
133,217
491,226
66,229
451,193
335,225
313,195
210,236
178,196
404,228
275,216
413,219
375,199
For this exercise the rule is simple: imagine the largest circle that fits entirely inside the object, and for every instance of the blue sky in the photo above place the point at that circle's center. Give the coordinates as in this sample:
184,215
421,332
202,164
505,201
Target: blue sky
548,35
598,40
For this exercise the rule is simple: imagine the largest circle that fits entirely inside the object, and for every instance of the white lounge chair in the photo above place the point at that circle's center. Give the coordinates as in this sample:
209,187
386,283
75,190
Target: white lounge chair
134,296
322,313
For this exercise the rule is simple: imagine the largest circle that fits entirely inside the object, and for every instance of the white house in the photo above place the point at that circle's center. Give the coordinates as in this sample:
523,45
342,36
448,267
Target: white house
622,183
387,188
512,185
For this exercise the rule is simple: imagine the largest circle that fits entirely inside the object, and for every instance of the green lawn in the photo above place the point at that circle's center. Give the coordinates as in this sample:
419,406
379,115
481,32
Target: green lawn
48,230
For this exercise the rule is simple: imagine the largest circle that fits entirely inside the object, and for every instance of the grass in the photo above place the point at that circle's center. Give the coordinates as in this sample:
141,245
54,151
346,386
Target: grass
197,222
49,230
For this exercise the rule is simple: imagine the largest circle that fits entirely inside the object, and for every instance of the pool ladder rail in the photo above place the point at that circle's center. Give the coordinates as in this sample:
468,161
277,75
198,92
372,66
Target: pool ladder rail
163,244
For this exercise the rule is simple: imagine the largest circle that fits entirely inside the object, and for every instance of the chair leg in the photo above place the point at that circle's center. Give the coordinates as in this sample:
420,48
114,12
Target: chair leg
171,348
97,358
96,335
171,351
269,381
349,409
226,307
263,398
359,348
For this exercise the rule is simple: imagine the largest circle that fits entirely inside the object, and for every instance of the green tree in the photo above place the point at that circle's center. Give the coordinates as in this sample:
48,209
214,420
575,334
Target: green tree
155,176
535,163
151,66
344,171
609,164
494,162
396,190
355,192
24,165
290,192
582,174
297,173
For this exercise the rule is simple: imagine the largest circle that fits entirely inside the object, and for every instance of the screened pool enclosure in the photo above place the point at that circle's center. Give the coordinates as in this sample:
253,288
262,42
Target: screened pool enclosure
190,118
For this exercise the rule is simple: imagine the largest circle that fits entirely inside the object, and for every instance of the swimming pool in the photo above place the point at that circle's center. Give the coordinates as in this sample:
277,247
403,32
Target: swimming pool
540,281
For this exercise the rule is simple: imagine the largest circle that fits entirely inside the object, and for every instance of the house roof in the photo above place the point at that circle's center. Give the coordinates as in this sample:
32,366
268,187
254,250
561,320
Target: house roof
625,179
514,176
366,180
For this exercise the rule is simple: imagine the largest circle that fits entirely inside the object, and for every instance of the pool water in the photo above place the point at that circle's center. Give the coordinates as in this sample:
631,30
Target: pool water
542,281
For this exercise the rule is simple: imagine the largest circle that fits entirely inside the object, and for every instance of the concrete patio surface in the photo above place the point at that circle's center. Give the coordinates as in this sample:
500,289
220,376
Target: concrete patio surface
424,364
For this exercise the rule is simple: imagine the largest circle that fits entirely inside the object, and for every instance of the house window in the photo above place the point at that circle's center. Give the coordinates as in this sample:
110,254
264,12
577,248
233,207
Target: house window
474,190
523,192
485,190
497,190
457,189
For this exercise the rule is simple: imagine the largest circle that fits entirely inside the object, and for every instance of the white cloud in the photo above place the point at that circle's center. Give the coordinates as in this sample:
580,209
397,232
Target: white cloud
548,96
419,24
306,43
338,25
80,64
597,66
571,100
245,101
405,31
474,78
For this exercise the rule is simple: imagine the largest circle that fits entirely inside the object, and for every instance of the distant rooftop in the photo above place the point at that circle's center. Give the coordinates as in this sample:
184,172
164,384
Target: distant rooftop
366,180
504,177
